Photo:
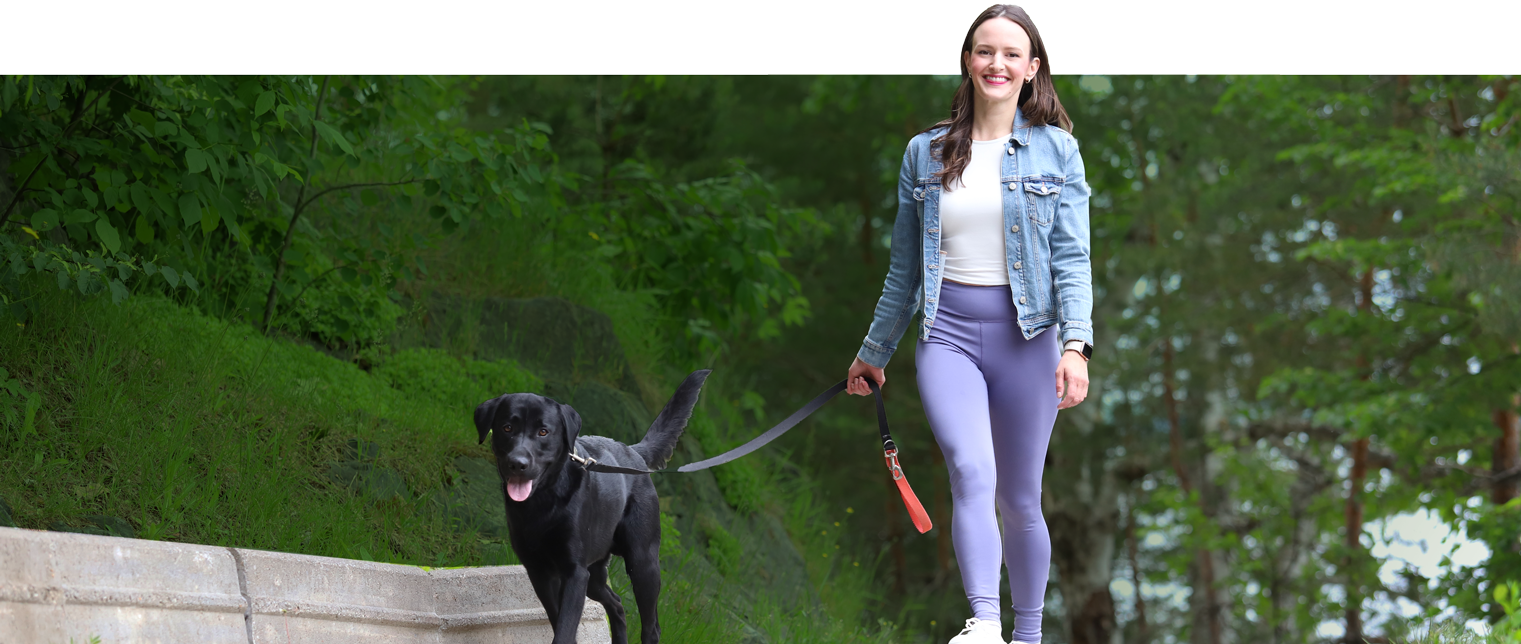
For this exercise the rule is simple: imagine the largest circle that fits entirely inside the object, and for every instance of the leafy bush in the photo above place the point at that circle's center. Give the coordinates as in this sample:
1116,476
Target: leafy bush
346,313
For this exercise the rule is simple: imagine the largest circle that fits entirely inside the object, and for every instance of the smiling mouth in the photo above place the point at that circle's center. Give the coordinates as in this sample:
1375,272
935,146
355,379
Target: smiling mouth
519,487
996,80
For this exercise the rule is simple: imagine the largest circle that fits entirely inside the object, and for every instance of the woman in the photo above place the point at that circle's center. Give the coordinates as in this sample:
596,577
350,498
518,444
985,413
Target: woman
992,239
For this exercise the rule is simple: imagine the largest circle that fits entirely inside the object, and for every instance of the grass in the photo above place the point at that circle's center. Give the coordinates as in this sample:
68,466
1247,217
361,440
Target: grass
200,430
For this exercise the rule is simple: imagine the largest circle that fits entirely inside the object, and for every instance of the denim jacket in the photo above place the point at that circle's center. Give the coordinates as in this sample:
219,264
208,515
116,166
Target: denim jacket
1045,215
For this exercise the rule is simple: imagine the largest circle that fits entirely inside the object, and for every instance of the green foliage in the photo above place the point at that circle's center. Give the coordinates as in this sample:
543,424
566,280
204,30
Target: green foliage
18,406
346,313
709,250
1508,596
214,174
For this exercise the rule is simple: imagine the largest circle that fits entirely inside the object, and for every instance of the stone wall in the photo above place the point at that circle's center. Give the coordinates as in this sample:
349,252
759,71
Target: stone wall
60,587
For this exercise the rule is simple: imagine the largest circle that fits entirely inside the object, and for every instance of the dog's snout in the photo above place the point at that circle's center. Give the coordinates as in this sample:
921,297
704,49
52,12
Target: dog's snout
517,462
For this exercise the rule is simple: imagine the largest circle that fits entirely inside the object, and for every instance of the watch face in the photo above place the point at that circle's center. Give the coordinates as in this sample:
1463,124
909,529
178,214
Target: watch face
1087,351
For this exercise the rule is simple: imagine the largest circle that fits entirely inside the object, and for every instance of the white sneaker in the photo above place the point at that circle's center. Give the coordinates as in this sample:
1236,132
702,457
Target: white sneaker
979,631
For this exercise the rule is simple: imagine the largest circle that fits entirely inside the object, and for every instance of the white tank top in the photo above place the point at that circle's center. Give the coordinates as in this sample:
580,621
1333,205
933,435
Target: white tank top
971,220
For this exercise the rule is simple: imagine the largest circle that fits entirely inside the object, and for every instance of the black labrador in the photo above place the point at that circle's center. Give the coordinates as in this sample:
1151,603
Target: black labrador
565,522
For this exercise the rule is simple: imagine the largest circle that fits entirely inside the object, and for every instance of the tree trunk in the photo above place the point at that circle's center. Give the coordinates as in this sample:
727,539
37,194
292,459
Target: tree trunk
1354,509
1354,540
1507,450
1135,569
1207,607
290,228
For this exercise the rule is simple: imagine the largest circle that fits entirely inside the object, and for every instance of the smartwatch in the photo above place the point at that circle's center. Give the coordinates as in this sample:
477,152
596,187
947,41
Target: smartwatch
1083,349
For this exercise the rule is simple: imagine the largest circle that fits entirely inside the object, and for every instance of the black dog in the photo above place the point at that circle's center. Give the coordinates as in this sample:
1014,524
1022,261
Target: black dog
565,521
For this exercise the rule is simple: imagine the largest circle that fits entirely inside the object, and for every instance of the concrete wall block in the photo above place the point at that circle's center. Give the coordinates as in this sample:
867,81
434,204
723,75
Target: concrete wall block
476,590
331,582
57,586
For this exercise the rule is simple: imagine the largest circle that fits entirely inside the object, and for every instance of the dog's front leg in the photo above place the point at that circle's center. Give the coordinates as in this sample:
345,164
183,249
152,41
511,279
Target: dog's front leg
572,600
546,584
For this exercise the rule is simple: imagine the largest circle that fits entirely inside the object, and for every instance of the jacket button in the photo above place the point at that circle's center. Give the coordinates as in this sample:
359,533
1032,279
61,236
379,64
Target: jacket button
1011,149
1021,300
1014,228
1016,265
1011,186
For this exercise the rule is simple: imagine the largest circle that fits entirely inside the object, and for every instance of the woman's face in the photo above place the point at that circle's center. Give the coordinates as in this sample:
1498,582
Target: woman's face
1000,61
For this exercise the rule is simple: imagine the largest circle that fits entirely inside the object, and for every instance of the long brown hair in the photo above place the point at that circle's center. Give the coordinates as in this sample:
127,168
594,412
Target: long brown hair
1037,99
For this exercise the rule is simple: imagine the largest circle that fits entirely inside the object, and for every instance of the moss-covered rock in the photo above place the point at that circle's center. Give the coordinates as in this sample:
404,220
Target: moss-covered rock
98,524
553,337
475,499
359,473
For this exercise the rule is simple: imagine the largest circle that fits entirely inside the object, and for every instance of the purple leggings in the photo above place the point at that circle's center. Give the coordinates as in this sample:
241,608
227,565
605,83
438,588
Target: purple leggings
990,396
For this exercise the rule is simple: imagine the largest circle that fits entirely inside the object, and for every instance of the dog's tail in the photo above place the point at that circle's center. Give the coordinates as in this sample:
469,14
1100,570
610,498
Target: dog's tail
660,441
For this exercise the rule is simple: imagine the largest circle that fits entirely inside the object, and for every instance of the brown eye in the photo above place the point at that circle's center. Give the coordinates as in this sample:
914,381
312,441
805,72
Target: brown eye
543,432
507,428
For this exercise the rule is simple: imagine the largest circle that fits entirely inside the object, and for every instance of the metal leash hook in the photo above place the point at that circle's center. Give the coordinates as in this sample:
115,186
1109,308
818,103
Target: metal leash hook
892,463
890,454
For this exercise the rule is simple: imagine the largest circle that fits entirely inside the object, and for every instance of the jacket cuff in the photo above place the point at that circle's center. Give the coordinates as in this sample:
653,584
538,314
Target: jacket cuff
1076,331
874,354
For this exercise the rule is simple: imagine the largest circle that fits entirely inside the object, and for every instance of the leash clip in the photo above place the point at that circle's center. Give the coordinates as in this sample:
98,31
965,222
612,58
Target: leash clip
583,461
891,454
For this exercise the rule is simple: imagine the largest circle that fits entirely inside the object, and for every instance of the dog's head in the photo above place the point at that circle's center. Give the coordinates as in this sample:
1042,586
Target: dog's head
531,436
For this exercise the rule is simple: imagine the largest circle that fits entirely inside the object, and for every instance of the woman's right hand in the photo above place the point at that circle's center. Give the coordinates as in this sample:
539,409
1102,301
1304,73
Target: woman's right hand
859,372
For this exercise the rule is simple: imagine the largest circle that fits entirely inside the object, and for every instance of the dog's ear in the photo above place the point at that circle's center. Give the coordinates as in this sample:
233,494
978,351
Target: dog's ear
484,413
570,424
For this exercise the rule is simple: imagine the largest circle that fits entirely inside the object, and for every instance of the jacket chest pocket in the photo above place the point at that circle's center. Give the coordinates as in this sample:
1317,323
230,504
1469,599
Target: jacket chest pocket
1041,197
924,188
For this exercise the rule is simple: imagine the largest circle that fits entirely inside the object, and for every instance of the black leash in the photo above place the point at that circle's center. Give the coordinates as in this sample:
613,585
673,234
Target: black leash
759,441
889,450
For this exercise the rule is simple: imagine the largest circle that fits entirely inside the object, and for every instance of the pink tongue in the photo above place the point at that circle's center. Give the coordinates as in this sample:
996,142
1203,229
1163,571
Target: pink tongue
519,488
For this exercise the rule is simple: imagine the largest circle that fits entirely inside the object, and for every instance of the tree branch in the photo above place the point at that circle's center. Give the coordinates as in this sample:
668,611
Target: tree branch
302,205
290,229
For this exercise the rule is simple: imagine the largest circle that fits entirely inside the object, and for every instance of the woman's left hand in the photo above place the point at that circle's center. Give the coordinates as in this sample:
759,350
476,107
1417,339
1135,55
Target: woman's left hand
1071,379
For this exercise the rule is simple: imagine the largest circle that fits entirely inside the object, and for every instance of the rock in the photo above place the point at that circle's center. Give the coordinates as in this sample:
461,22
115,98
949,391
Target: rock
358,449
114,526
604,411
369,480
360,474
100,525
498,554
475,500
554,338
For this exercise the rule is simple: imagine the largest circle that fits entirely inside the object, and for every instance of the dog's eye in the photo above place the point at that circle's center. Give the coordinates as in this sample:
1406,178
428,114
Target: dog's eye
543,432
507,428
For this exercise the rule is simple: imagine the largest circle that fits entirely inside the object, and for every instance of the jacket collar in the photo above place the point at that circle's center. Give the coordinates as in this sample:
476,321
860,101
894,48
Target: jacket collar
1021,133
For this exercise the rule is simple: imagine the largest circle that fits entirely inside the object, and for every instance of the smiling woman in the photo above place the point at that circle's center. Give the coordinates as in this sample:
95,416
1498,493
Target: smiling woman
992,225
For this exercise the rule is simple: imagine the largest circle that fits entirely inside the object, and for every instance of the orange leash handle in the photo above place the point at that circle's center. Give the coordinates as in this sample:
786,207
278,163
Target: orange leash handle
890,453
910,501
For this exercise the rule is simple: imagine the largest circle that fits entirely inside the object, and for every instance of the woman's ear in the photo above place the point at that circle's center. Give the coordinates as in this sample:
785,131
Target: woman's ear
1034,67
